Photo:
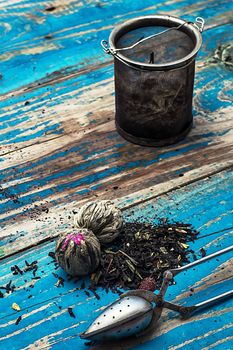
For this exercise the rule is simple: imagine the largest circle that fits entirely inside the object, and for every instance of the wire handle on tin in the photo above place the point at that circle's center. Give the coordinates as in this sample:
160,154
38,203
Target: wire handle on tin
199,24
109,50
106,47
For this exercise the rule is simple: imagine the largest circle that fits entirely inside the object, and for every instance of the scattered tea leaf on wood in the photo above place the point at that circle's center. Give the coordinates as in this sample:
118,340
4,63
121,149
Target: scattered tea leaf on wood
94,292
87,293
18,320
143,251
9,287
52,255
31,266
60,280
16,270
203,252
71,313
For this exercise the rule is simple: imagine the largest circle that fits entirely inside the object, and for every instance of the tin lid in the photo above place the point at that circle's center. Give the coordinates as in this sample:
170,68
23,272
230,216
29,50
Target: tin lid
158,42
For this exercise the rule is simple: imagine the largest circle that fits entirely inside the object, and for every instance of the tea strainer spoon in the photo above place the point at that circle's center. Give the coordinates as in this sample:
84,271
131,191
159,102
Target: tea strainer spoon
138,311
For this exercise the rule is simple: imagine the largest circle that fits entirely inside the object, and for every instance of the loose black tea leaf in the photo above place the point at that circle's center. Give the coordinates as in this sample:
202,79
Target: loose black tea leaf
34,270
71,313
50,8
16,270
94,292
142,251
31,266
60,280
52,255
203,252
18,320
9,287
87,293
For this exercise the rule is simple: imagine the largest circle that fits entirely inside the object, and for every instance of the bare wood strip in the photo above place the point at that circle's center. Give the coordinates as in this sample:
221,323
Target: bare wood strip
205,335
219,342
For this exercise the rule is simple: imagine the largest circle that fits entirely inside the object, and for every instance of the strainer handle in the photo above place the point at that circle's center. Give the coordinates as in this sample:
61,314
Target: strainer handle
187,311
212,301
199,24
200,261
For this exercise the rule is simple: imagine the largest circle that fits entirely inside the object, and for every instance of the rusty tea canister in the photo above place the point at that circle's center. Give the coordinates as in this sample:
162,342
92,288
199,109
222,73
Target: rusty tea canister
154,65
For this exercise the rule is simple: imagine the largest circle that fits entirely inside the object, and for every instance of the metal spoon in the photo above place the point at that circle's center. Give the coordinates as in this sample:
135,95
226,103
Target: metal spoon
135,314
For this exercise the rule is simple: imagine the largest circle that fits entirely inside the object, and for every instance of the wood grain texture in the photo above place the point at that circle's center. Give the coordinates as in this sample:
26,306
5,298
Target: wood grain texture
46,110
41,77
59,148
44,37
46,324
79,156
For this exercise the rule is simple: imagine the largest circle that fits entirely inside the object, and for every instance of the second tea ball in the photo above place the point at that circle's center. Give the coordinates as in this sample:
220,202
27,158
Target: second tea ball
103,218
78,252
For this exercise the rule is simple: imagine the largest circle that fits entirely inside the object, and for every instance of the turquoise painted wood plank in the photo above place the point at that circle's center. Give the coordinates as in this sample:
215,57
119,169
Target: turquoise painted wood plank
73,172
46,324
85,158
72,97
38,42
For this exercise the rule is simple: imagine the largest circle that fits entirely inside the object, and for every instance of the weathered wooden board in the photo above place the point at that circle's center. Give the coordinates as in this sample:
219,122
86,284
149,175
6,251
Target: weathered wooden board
68,102
46,324
42,37
88,159
27,56
59,148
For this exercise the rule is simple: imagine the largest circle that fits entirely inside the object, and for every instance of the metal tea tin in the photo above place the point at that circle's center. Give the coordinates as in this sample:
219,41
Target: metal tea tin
154,66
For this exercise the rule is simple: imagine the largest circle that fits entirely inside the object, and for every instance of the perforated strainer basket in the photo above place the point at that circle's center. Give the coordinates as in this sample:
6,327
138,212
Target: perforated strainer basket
154,63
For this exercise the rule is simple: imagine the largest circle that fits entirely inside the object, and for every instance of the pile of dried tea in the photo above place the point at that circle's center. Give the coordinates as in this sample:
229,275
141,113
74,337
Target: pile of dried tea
141,251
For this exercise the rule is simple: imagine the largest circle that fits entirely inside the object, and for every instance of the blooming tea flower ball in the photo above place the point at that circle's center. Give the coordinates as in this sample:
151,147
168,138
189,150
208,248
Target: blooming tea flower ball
103,218
78,252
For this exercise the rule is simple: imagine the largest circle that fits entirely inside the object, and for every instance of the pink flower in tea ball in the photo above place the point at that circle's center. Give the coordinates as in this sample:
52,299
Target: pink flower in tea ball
77,238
